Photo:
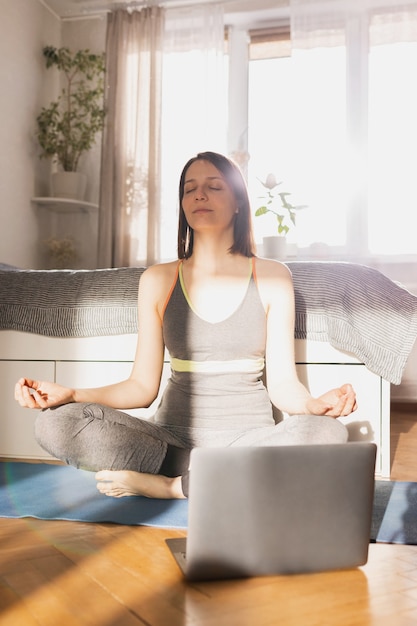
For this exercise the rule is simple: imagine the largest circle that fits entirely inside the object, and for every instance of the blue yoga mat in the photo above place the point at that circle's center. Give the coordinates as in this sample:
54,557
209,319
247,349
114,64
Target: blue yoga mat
398,521
58,492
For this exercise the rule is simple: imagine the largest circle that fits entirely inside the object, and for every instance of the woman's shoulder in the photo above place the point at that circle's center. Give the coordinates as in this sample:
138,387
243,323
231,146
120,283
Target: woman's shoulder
269,269
274,283
161,270
158,279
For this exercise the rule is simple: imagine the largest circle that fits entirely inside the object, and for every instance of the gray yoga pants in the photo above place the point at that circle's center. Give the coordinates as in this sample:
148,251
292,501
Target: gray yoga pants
96,437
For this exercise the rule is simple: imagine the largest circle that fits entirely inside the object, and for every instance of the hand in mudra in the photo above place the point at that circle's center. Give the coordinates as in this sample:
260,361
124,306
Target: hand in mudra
35,394
337,402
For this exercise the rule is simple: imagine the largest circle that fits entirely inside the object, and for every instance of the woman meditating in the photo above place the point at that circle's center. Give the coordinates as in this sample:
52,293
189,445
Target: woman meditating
224,316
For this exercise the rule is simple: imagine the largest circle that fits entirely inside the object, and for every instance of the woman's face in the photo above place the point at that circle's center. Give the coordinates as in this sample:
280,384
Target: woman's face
208,201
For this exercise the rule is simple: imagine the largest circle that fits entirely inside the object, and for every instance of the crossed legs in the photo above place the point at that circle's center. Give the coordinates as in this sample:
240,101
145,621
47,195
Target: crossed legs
137,457
131,456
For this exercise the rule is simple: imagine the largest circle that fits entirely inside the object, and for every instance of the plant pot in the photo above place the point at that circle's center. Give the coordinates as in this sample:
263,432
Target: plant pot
275,247
71,185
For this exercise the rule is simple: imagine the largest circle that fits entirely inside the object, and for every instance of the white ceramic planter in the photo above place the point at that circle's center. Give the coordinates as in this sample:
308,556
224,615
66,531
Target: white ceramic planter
68,185
275,247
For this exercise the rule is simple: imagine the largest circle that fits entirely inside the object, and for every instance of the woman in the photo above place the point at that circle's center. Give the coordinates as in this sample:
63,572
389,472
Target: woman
222,314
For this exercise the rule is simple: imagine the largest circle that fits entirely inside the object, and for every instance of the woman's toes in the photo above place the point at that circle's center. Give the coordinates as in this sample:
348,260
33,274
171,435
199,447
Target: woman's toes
104,475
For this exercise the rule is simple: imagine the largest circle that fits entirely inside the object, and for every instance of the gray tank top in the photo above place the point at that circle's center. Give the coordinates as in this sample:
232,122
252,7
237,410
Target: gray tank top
215,390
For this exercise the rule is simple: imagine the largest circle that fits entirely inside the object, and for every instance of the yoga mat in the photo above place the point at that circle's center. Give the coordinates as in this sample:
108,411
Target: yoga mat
395,512
60,492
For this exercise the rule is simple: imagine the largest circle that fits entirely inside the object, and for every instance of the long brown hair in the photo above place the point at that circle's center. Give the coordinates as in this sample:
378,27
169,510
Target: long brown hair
243,240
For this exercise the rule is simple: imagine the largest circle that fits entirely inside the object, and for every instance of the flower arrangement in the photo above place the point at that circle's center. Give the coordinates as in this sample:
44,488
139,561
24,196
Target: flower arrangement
278,204
62,251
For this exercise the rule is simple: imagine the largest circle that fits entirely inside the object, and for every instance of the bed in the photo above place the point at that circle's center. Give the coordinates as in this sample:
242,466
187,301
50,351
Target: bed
78,327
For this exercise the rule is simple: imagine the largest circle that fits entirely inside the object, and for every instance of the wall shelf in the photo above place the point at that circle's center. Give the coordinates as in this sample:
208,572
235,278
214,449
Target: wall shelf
66,205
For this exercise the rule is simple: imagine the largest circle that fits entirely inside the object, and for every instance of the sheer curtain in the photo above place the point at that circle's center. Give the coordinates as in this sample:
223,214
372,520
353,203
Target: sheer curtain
194,108
354,141
165,102
130,172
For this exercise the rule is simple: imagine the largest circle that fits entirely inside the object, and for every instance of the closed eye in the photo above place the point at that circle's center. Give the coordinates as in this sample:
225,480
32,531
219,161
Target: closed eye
211,188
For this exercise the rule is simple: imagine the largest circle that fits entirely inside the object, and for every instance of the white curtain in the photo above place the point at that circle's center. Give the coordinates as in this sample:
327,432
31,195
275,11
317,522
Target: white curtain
130,174
194,74
165,102
194,107
339,43
326,23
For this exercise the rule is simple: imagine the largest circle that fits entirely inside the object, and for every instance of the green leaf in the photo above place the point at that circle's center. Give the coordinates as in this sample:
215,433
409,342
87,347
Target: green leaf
69,126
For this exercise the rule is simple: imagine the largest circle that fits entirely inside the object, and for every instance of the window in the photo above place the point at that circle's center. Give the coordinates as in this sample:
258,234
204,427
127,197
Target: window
342,146
392,206
336,124
309,169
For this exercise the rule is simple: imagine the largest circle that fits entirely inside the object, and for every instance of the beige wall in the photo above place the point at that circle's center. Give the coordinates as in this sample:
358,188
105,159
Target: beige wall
25,27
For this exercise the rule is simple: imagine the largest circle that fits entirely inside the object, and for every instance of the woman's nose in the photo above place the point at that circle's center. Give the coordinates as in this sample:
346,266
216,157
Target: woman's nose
200,193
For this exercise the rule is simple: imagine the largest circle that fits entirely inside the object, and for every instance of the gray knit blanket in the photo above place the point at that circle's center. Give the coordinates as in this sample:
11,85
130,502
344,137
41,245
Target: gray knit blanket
353,307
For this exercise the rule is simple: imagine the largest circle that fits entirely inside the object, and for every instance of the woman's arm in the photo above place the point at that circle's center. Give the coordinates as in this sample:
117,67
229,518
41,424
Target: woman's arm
142,386
284,387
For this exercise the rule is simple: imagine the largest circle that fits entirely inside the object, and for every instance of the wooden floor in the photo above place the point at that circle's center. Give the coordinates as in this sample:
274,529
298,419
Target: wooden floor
70,573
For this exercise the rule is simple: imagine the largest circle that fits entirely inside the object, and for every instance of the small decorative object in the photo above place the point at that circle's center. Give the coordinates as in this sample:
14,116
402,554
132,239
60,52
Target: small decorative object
285,213
62,251
69,126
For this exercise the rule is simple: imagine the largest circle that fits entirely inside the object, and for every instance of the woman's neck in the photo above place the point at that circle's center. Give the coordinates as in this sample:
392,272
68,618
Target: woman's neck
212,252
224,265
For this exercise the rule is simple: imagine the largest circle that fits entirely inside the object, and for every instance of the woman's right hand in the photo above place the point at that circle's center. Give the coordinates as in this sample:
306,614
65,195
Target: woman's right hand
35,394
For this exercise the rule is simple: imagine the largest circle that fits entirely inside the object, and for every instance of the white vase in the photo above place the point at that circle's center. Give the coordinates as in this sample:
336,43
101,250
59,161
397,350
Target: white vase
275,247
71,185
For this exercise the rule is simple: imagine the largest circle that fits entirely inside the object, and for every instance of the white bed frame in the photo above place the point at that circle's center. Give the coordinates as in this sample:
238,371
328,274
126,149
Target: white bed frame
85,362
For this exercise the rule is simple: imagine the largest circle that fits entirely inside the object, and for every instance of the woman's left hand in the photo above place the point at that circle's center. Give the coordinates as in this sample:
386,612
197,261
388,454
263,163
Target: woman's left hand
337,402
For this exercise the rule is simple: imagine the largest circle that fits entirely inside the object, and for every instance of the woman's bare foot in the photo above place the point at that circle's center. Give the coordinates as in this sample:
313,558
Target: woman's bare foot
120,483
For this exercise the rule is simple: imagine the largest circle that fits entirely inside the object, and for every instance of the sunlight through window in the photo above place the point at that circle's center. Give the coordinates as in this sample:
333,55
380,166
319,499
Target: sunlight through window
392,149
306,152
301,112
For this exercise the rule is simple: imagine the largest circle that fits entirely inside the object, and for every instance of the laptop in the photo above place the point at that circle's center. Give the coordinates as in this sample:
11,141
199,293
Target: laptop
277,510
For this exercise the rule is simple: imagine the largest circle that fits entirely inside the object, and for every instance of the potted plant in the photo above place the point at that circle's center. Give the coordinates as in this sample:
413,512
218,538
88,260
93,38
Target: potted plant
277,203
69,126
